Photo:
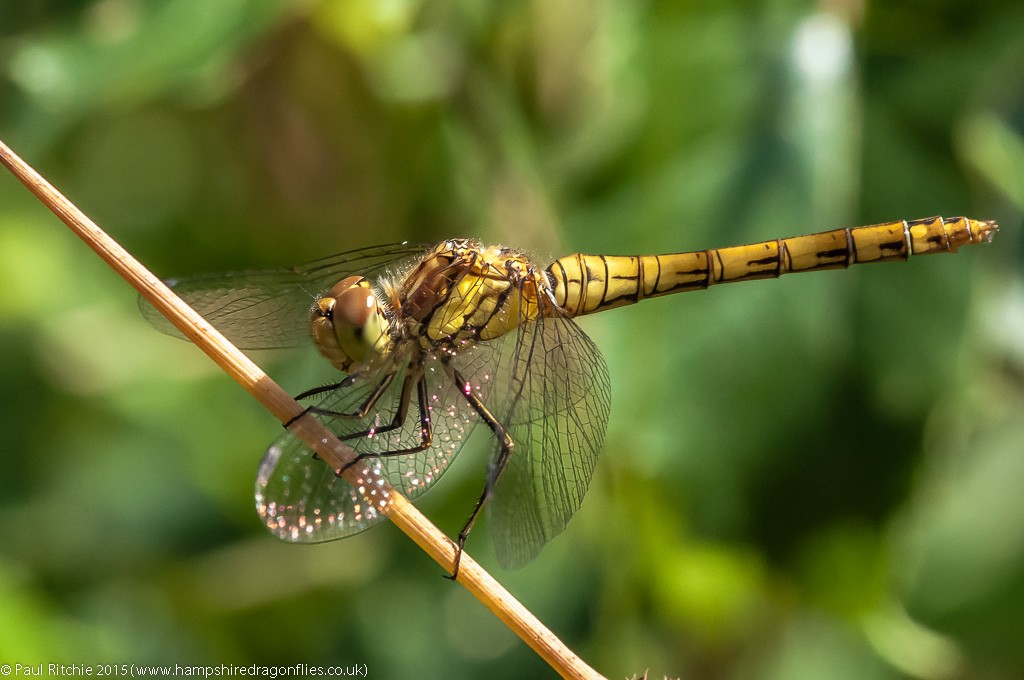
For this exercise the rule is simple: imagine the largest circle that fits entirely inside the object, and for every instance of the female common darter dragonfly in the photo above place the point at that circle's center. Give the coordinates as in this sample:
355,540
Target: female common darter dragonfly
432,340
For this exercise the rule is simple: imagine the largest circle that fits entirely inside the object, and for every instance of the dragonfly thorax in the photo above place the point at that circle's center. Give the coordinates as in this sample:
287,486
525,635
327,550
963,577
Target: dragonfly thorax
464,291
350,325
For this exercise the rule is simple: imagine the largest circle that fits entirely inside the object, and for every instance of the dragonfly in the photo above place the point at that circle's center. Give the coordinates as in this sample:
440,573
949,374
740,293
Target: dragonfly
431,341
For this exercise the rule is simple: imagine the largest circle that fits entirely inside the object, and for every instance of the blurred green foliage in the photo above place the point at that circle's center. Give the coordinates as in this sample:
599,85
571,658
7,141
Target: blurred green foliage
812,478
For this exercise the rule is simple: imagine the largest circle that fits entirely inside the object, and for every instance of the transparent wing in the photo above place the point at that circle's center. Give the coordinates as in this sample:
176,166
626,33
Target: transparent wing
300,497
556,413
269,308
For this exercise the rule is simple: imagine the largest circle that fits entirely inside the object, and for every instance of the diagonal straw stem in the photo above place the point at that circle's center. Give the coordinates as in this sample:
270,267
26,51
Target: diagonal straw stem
412,522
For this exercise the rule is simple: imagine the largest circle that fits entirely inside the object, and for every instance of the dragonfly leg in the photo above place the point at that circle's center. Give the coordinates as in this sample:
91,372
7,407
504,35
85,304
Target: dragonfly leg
426,429
361,412
325,388
505,445
347,382
396,422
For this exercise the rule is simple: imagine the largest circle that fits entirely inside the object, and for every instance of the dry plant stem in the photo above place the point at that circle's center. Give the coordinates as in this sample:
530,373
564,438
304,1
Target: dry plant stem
481,584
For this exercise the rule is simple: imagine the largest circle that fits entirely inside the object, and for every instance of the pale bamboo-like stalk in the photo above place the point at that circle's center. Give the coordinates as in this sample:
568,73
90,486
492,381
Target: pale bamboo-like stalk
236,364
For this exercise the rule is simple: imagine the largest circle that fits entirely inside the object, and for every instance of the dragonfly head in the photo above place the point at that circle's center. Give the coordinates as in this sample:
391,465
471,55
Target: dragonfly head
349,325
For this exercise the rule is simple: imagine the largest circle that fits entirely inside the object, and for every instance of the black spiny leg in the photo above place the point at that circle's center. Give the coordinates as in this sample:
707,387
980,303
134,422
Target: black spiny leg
347,382
426,429
370,402
505,446
361,412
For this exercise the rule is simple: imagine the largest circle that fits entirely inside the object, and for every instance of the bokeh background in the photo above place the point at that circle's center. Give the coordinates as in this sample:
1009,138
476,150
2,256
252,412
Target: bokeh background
817,477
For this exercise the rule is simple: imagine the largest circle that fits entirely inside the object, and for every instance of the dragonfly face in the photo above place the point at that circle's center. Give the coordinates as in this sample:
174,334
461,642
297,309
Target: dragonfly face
350,326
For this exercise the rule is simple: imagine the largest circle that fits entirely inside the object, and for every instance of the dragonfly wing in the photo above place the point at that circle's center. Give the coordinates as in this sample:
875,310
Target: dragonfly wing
301,499
556,414
270,308
254,310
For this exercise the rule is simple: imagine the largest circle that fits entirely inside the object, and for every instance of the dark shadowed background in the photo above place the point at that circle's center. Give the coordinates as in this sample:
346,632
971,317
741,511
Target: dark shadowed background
811,478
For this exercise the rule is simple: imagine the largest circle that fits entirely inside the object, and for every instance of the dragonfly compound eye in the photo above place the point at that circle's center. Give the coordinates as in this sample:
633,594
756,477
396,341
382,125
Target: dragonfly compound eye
349,324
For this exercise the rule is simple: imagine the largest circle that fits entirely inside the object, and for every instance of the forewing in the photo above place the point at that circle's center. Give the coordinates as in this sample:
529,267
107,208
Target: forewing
301,499
270,308
556,413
